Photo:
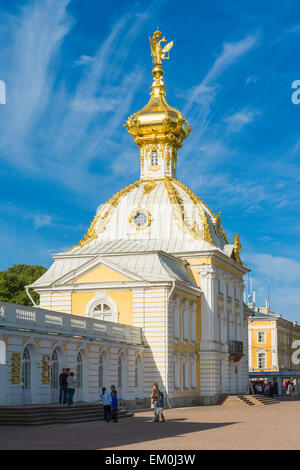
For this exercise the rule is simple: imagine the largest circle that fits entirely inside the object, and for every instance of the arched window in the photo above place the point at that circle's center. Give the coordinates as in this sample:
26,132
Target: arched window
79,371
102,311
54,369
26,369
136,373
185,324
176,320
183,373
193,372
120,373
101,372
2,352
176,371
193,322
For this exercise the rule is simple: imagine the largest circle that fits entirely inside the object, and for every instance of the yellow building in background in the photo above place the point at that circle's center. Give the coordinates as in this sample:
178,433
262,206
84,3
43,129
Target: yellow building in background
271,347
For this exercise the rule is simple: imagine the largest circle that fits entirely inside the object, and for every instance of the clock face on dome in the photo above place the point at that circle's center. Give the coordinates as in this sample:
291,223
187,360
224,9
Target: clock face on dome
140,218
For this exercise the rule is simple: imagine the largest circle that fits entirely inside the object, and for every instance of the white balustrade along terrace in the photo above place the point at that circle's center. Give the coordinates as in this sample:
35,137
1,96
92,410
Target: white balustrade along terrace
39,320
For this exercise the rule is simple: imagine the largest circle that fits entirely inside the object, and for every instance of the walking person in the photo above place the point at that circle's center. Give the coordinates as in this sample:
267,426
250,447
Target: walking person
154,398
63,387
106,401
71,388
114,405
160,408
289,389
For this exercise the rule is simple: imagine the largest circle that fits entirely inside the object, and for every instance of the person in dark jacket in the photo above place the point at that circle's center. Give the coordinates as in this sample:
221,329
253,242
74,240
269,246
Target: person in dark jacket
160,408
154,398
114,406
63,387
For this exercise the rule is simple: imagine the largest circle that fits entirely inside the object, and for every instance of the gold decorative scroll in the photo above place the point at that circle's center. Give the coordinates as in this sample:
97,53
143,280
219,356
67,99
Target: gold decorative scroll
45,370
15,368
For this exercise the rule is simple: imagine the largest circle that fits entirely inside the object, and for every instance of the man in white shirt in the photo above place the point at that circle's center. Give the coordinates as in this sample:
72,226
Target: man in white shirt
106,401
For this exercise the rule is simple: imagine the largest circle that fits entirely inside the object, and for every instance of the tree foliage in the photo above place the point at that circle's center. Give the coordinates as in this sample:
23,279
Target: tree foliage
14,280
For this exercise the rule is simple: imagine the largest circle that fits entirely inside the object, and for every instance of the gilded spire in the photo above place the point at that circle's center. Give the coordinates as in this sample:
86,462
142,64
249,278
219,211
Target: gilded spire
158,129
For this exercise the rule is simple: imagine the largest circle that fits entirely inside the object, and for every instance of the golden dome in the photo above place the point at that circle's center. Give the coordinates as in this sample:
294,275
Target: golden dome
158,122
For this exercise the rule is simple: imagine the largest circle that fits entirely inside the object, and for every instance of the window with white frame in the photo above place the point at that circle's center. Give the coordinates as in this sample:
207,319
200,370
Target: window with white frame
262,360
101,372
193,372
183,373
136,373
176,369
120,372
261,337
154,158
102,311
176,319
185,333
193,322
2,352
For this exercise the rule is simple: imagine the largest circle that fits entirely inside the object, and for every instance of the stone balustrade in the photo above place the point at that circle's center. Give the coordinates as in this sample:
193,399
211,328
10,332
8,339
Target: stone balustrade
47,321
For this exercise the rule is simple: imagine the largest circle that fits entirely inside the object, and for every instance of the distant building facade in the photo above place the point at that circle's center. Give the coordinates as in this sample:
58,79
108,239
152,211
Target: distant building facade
270,347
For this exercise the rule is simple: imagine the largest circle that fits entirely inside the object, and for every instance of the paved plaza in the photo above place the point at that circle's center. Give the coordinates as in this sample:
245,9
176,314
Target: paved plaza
216,427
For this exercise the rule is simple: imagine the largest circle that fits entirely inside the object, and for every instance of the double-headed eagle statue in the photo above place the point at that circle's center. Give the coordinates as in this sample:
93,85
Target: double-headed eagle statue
158,53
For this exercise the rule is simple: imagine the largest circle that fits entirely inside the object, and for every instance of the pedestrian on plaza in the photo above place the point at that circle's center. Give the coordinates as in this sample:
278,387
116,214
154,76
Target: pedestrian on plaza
114,405
71,388
63,387
160,408
106,401
270,389
289,389
154,398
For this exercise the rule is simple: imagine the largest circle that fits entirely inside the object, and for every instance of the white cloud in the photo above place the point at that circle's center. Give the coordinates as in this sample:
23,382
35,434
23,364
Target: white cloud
41,220
282,274
39,33
231,52
282,270
84,60
238,120
60,130
251,79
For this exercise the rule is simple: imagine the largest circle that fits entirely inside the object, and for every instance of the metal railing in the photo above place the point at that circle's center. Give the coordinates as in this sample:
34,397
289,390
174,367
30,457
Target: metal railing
235,347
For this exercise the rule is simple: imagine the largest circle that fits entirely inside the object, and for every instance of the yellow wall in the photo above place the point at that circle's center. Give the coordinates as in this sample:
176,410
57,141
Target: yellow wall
80,301
101,274
286,334
257,347
189,348
123,300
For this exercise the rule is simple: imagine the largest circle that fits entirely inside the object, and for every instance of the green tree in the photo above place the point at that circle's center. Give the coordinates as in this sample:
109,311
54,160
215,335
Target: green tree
14,280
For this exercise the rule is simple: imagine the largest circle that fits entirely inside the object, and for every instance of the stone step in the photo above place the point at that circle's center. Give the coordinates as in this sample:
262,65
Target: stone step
45,415
246,400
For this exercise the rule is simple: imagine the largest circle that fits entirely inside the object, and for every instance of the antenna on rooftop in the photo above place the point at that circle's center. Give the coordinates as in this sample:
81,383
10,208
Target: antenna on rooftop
269,303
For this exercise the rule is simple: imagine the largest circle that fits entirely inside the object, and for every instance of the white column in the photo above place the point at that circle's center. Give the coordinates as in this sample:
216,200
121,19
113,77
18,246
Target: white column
209,356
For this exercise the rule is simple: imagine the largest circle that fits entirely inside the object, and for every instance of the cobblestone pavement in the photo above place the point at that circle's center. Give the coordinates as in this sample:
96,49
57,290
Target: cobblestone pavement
214,427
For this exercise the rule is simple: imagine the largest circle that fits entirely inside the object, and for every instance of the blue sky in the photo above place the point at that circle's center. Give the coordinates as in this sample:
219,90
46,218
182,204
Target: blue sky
75,70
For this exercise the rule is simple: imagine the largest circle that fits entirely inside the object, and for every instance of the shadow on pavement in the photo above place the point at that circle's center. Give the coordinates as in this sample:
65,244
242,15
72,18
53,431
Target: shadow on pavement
99,434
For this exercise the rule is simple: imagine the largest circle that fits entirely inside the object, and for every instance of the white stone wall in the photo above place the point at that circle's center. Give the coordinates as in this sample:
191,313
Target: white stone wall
56,301
222,320
150,313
